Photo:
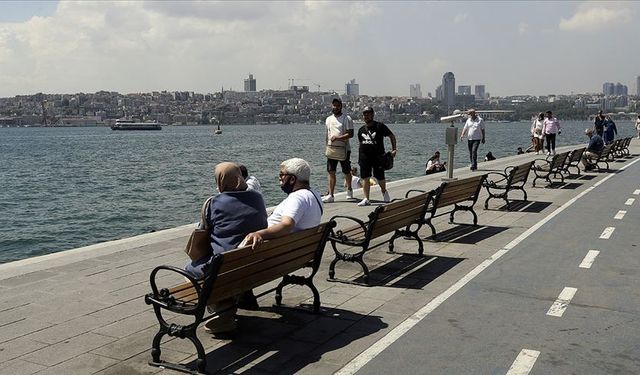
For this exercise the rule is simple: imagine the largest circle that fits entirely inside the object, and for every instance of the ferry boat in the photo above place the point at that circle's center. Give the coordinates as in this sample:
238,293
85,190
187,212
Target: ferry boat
128,124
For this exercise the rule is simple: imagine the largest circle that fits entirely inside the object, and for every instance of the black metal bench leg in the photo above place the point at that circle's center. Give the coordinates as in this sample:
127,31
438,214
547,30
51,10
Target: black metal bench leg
486,202
155,346
332,267
201,362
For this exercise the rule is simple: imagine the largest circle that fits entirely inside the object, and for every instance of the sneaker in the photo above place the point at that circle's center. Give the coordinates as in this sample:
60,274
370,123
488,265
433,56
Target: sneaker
349,194
364,202
553,153
548,153
327,199
385,197
221,324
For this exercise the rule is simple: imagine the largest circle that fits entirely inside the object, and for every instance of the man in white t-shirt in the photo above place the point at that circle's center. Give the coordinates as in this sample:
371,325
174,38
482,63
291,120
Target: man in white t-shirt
302,209
474,128
339,131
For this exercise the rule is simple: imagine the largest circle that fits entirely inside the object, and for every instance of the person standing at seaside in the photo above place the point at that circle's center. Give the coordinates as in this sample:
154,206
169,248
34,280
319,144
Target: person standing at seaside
610,131
474,129
551,128
339,131
638,126
536,133
598,123
371,139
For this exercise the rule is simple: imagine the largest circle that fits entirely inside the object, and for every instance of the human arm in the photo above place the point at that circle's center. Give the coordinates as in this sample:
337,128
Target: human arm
285,226
343,137
394,149
482,136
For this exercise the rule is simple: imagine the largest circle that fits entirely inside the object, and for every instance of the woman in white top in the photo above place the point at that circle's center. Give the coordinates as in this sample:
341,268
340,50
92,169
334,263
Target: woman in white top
537,136
638,126
434,165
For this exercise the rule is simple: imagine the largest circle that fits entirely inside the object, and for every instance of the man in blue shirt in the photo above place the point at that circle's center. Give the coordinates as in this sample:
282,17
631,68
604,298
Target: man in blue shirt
594,148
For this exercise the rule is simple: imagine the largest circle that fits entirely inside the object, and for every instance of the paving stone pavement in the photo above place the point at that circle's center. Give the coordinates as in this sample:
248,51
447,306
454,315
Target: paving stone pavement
82,311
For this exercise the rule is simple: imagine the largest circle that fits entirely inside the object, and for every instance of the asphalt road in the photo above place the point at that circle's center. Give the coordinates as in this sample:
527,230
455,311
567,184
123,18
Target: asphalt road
567,295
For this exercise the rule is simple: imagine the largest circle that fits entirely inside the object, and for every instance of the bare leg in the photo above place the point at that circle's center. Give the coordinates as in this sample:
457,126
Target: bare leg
332,182
347,180
366,187
383,185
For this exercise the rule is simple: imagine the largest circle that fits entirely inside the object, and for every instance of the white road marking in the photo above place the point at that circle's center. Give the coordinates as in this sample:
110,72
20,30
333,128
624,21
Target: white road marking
589,259
561,304
524,362
620,215
378,347
636,192
608,231
629,201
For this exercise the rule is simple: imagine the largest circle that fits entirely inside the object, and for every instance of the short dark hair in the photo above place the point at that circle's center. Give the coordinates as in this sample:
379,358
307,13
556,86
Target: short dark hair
336,100
244,171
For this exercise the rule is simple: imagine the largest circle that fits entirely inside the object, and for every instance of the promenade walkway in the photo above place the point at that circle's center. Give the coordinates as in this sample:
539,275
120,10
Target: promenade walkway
82,311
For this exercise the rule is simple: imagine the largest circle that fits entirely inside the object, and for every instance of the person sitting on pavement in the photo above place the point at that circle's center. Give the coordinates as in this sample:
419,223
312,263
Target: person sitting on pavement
489,157
252,182
434,165
301,209
594,148
230,215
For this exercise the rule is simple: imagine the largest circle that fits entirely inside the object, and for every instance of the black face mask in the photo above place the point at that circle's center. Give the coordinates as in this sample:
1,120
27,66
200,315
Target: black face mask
287,187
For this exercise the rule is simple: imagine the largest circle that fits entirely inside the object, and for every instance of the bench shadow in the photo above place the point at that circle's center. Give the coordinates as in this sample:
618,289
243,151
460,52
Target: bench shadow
524,206
570,185
467,233
287,344
586,177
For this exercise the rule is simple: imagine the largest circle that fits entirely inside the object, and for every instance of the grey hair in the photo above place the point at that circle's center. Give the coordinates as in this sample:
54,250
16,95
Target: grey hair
297,167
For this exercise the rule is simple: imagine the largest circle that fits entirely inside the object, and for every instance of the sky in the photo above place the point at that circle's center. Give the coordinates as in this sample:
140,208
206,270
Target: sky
512,47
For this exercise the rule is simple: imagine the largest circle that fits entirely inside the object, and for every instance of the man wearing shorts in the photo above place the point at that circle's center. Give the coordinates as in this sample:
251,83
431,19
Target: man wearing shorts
371,140
339,130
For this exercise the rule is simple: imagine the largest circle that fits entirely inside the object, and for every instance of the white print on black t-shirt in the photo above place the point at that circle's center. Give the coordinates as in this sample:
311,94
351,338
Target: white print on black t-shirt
369,138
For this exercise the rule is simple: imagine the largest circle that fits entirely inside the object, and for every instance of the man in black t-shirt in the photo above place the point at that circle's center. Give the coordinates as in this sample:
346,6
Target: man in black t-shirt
598,123
371,141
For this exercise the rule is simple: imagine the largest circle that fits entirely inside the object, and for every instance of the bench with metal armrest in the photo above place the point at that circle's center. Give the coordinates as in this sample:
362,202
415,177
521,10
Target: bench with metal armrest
499,185
544,168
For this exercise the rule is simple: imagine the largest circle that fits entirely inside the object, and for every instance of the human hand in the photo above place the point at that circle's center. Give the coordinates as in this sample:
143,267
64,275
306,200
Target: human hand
254,239
482,141
333,138
394,152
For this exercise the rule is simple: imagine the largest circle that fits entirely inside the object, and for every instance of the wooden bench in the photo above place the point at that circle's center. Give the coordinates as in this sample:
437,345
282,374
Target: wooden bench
397,216
573,160
544,168
230,274
452,193
603,157
513,178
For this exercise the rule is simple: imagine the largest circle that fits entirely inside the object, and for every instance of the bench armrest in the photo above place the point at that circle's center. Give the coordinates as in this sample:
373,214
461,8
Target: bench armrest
406,195
338,235
162,297
500,177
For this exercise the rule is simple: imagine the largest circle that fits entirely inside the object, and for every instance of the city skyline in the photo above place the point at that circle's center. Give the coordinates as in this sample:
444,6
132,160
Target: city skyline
528,48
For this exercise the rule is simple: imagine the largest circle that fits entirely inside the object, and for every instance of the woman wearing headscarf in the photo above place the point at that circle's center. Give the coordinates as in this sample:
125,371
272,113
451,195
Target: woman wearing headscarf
230,215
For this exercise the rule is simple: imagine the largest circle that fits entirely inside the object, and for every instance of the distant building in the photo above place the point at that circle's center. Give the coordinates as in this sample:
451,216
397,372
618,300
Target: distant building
250,84
449,89
621,89
608,88
415,91
352,88
638,85
614,89
439,95
464,90
479,91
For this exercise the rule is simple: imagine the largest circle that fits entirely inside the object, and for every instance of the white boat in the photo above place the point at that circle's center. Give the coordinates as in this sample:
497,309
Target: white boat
129,124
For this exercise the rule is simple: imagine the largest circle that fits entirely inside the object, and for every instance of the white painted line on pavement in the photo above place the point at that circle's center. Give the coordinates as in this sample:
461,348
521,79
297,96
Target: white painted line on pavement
589,259
524,362
378,347
561,304
636,192
620,215
629,201
607,232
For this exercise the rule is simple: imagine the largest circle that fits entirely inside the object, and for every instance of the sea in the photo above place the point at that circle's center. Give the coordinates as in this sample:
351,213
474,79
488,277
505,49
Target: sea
63,188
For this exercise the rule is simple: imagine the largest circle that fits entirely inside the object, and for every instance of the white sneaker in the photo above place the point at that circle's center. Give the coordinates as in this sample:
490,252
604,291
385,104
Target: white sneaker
548,153
327,199
385,197
349,194
553,153
364,202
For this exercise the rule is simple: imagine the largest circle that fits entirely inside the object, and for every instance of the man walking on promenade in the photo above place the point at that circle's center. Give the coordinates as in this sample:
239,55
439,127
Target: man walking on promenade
598,123
371,140
339,131
474,128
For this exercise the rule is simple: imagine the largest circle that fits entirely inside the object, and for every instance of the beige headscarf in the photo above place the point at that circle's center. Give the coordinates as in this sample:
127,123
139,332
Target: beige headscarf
229,177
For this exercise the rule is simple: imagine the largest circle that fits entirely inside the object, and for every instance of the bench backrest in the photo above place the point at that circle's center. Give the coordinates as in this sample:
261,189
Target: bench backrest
398,214
452,192
557,162
576,155
243,268
520,173
606,150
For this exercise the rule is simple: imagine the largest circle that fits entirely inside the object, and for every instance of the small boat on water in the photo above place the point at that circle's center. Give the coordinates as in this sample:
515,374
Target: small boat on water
129,124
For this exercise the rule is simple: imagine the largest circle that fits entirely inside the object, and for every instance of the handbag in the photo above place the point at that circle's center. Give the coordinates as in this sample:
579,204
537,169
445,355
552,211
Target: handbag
199,244
336,152
387,161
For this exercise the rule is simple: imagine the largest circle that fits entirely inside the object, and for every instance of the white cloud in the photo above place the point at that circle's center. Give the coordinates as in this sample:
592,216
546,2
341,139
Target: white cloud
595,16
460,18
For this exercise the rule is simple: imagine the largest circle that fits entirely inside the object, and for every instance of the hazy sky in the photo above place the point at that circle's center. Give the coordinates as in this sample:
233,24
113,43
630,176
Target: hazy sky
513,47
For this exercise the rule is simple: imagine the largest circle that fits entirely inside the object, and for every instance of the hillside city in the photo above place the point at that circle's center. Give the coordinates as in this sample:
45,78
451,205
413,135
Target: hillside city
299,104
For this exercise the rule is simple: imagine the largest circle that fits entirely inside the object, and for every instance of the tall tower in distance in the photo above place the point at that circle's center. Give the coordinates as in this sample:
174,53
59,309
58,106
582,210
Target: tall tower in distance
352,88
415,91
250,84
479,91
449,89
638,85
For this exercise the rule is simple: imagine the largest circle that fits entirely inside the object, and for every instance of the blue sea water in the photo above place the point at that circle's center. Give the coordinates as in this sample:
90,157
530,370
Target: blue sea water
62,188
